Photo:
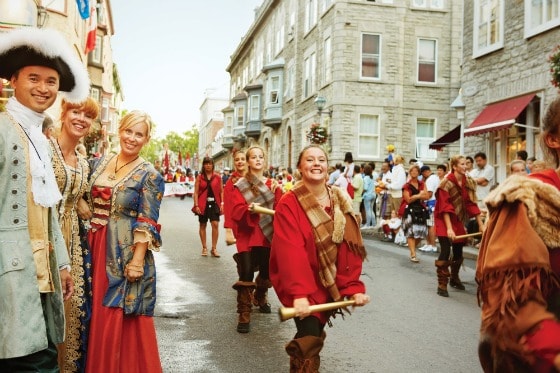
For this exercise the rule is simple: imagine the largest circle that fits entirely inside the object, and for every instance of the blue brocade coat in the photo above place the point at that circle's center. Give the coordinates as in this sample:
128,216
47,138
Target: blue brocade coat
135,202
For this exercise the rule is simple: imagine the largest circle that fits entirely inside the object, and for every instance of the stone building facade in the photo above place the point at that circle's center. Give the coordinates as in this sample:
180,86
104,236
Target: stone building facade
505,76
387,69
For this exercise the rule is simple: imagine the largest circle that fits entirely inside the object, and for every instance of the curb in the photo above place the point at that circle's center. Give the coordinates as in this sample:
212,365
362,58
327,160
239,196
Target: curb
375,234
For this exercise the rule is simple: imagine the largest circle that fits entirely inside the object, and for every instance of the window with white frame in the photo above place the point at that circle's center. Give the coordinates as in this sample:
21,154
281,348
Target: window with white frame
254,107
309,75
228,124
371,56
425,135
327,61
97,51
310,14
428,4
427,57
279,40
368,136
325,4
274,86
541,16
95,93
105,109
240,116
290,76
488,27
245,78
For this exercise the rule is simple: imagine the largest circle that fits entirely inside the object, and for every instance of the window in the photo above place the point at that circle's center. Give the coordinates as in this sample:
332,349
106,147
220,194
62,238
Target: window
274,85
310,14
254,107
240,116
371,53
425,135
105,109
228,125
279,40
57,5
325,4
488,32
95,93
427,56
98,50
433,4
541,16
368,136
309,75
327,61
245,76
290,76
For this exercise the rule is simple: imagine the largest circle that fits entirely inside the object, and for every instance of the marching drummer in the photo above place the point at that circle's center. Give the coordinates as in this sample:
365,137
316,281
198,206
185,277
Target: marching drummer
316,255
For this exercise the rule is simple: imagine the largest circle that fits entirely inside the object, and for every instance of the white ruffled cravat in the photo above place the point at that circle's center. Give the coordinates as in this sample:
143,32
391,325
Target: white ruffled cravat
43,183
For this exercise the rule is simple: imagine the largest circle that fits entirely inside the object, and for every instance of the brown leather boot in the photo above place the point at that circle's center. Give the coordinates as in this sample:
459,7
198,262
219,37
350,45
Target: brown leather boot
455,281
244,304
442,270
304,354
261,295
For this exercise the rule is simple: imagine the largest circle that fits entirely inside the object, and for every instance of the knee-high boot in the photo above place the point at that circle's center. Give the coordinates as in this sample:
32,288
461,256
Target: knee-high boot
244,304
455,281
442,270
261,294
304,354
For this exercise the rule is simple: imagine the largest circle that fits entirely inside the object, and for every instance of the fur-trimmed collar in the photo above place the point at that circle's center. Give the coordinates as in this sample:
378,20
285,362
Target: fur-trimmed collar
541,199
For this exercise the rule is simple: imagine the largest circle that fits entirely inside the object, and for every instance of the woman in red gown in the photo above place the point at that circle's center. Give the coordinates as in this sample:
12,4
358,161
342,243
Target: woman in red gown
126,193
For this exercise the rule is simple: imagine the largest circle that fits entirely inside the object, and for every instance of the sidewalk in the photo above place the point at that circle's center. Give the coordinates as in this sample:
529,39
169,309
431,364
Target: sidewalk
376,234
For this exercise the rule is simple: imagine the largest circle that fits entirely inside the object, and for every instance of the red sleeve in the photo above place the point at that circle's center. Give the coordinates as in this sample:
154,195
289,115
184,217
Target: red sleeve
293,257
240,214
228,192
443,204
349,269
277,196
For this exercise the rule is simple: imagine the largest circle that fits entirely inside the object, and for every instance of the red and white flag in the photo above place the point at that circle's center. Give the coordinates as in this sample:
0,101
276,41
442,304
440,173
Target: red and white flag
92,30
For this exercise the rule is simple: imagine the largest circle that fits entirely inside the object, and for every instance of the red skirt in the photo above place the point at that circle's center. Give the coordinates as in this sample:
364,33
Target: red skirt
117,343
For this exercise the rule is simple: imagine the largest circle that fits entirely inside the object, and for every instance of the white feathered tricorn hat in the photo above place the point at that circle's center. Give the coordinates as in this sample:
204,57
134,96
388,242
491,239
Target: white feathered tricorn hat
31,46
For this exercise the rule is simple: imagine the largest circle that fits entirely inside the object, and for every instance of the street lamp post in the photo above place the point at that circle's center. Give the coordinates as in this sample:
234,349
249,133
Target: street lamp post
459,106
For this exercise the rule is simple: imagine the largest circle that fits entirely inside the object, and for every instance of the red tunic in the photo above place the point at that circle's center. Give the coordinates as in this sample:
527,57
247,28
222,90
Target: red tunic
215,184
294,267
444,205
228,191
246,227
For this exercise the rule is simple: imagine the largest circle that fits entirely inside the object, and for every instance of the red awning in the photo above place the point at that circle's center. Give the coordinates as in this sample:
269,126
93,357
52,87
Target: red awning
498,116
448,138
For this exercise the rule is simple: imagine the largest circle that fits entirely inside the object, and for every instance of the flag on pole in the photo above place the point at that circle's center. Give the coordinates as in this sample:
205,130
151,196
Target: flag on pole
83,8
92,30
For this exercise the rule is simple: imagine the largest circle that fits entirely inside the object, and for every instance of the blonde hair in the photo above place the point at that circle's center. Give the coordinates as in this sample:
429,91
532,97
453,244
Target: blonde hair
454,161
135,117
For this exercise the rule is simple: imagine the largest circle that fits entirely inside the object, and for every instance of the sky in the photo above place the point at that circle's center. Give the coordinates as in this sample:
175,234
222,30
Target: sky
170,54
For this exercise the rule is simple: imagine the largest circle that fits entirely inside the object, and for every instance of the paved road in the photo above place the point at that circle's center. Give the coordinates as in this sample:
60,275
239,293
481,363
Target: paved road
406,328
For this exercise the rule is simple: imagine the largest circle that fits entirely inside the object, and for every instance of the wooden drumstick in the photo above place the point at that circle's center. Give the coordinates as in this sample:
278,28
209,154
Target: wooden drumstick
258,209
468,235
287,313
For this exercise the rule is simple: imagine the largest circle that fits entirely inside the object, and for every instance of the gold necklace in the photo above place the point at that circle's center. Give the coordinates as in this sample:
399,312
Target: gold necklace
117,169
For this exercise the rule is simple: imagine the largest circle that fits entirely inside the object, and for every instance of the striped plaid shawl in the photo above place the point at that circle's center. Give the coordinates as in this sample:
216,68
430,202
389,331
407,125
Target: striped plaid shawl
255,191
329,232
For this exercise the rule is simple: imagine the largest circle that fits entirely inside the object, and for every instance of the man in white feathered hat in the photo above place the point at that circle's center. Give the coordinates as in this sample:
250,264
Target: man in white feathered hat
34,263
